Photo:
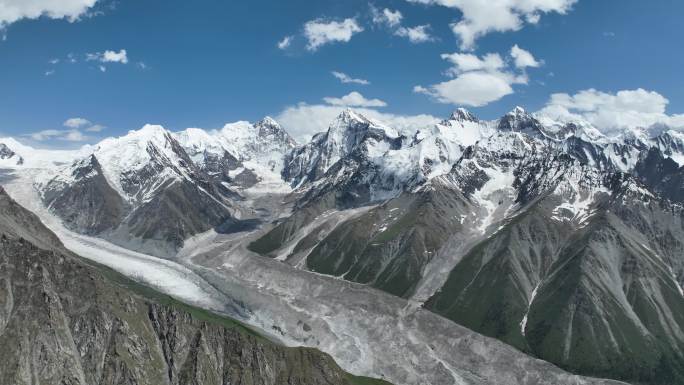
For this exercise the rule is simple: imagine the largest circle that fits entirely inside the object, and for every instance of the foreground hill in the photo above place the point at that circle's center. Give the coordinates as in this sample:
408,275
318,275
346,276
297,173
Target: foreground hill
63,321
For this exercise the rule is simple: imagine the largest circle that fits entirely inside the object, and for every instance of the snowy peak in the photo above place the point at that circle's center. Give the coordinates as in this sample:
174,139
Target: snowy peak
463,115
7,155
250,141
518,111
141,160
352,132
269,129
518,120
240,149
671,143
5,152
351,136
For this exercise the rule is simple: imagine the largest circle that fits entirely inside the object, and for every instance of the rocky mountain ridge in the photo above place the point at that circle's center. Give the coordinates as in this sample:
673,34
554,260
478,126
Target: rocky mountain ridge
547,235
65,321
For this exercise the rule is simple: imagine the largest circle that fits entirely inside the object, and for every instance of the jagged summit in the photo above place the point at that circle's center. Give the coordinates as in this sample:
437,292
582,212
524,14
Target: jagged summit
7,155
512,202
463,115
348,115
517,111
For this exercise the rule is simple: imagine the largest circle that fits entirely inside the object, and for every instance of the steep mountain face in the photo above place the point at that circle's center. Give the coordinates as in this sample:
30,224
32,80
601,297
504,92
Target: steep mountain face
240,154
551,237
9,156
63,321
141,190
662,174
576,271
351,138
359,162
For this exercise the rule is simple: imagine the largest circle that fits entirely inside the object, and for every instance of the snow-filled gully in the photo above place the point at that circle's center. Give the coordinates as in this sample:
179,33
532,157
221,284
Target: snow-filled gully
367,332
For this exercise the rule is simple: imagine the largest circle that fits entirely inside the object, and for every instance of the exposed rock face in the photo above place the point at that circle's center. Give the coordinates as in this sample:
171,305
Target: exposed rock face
89,204
553,239
65,322
547,235
6,153
142,191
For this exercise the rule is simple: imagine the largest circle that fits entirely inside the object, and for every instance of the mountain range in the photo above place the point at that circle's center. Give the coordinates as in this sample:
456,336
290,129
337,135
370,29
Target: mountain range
547,235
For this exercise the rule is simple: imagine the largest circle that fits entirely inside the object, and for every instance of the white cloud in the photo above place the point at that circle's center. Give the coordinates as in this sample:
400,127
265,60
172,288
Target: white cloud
523,58
76,122
354,99
471,89
477,81
66,135
54,61
320,32
465,62
304,120
49,72
344,78
109,56
81,123
15,10
418,34
611,112
481,17
386,17
73,136
285,42
95,128
392,20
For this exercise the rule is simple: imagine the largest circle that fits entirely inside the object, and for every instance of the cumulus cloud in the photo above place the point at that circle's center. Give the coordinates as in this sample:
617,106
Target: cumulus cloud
482,17
109,57
418,34
285,42
305,120
465,62
386,17
76,122
612,112
392,20
523,58
344,78
320,32
15,10
354,99
476,81
82,123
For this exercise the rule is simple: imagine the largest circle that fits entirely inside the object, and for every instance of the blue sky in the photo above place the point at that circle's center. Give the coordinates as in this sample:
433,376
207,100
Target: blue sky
207,63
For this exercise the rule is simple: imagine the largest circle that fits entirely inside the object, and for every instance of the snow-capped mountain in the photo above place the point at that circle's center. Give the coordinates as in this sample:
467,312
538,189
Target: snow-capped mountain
242,154
503,219
545,234
141,190
8,156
